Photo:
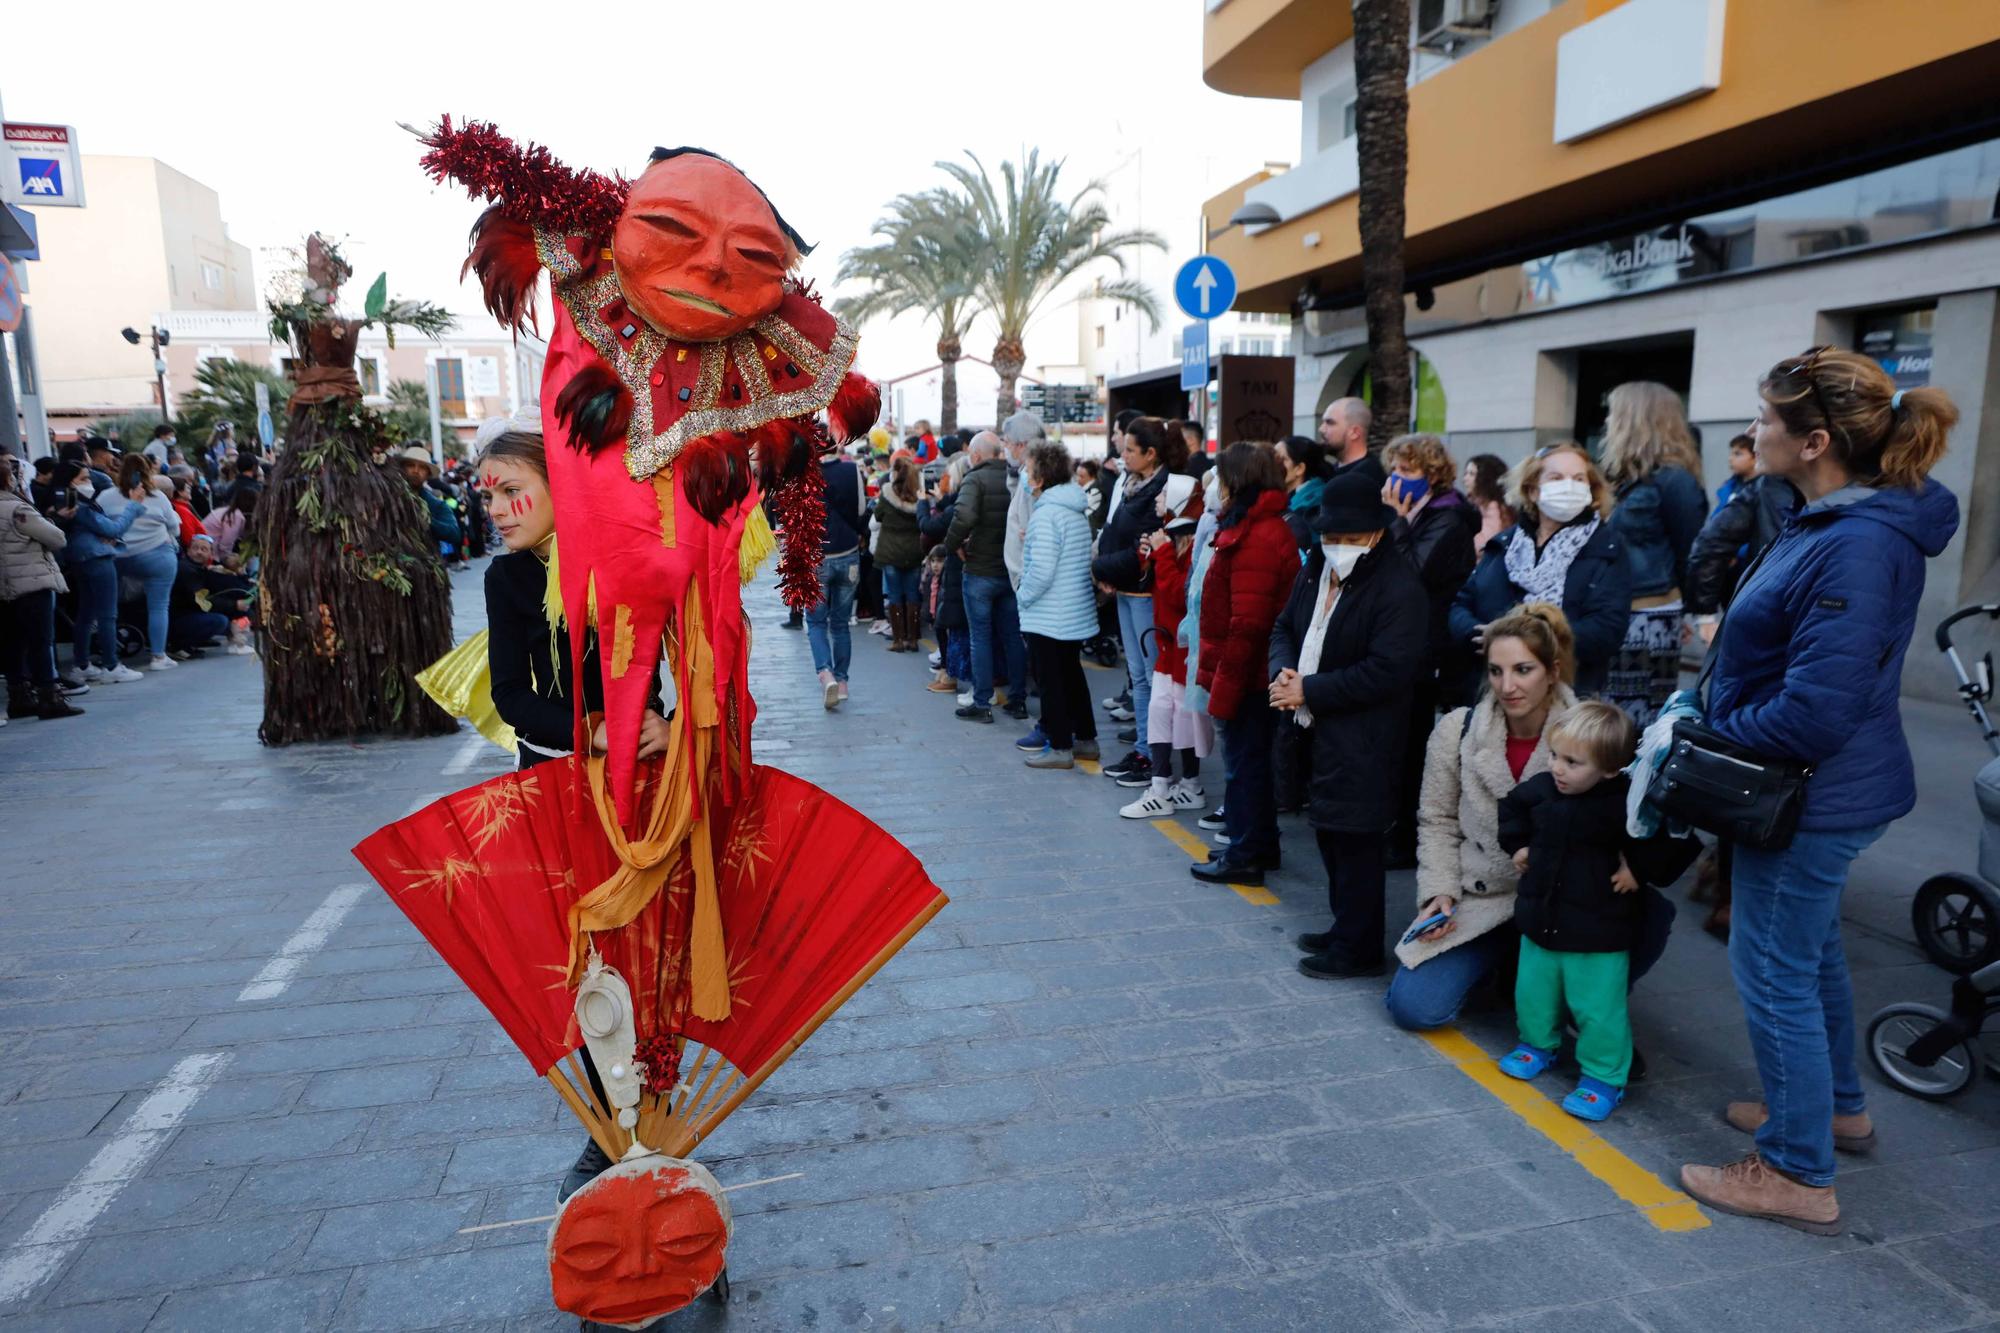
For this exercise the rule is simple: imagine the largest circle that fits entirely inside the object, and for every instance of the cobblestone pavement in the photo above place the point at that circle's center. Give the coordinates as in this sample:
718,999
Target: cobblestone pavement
1092,1095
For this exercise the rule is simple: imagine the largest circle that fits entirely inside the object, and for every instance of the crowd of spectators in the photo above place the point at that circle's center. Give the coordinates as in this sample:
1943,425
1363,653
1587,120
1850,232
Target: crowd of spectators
1447,664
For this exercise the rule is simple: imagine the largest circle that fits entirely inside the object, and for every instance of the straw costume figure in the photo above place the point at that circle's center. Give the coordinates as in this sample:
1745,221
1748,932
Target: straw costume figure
687,918
354,602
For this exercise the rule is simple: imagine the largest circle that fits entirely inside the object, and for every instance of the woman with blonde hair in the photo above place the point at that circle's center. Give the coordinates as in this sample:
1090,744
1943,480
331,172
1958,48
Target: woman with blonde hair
1808,668
1559,550
1654,469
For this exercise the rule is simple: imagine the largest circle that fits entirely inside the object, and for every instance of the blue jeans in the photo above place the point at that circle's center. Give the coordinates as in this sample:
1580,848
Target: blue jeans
996,632
96,584
1135,617
899,586
1790,969
1249,811
155,569
830,619
1431,996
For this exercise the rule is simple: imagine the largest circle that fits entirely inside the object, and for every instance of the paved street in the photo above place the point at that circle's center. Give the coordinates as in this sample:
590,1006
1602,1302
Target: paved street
1094,1094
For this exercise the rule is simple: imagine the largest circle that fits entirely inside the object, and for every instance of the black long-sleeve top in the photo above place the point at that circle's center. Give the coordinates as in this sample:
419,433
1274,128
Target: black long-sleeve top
530,683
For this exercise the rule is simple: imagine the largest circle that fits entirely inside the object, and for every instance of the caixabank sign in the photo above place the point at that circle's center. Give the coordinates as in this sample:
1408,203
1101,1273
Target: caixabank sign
42,167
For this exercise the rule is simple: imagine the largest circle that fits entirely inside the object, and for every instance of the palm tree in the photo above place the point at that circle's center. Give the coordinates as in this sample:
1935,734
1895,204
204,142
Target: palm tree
925,260
1034,241
1382,134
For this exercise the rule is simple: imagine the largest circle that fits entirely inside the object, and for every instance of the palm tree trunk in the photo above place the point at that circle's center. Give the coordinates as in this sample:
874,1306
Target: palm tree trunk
1382,112
949,350
1009,359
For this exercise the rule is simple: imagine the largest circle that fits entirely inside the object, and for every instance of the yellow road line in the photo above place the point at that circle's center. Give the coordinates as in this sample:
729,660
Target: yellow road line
1090,766
1195,847
1665,1207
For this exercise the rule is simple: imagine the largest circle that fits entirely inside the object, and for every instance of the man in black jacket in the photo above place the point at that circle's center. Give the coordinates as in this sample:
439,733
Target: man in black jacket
978,536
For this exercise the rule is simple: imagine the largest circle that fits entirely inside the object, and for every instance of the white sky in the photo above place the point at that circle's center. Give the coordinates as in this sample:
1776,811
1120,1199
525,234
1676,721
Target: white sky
289,112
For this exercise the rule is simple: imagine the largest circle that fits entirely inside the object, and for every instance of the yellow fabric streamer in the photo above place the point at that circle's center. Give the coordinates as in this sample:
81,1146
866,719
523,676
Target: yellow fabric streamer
758,544
645,862
462,684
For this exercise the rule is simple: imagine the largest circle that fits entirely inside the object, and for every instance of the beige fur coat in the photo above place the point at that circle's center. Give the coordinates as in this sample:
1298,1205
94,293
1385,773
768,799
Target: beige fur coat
1458,821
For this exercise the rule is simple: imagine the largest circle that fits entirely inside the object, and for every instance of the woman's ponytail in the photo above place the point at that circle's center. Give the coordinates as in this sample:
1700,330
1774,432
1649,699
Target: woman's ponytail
1920,422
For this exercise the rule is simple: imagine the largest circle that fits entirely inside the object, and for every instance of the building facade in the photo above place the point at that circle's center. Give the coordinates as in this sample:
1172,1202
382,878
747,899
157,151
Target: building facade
1677,190
152,239
481,369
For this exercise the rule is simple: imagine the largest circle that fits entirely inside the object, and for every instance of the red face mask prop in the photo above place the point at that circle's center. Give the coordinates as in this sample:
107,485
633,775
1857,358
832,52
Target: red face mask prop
642,1240
699,251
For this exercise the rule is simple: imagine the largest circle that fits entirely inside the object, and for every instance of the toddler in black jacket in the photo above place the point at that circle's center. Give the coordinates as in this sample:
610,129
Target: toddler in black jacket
1578,905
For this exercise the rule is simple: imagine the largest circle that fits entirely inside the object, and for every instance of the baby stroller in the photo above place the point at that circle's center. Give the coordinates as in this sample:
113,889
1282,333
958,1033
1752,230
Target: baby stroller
1918,1048
1103,647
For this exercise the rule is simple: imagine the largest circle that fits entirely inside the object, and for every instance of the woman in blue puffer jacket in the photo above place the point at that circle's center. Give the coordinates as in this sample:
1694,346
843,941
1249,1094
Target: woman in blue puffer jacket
1058,606
1809,667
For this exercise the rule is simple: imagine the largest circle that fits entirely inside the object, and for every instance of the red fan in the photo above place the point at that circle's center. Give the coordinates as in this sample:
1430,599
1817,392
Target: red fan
814,896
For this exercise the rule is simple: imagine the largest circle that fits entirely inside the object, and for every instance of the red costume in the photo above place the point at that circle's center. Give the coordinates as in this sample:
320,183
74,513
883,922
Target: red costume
691,917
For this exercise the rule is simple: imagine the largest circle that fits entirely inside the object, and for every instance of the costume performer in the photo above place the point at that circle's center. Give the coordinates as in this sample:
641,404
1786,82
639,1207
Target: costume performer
685,915
353,600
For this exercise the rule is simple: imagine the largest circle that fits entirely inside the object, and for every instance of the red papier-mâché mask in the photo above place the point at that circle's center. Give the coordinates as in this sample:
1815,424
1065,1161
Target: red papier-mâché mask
642,1240
699,250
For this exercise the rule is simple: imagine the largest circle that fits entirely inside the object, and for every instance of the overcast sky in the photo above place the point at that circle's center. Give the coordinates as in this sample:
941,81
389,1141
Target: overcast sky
290,112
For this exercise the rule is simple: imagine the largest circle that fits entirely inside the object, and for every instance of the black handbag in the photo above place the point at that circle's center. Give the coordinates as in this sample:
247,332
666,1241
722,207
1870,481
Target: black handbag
1722,788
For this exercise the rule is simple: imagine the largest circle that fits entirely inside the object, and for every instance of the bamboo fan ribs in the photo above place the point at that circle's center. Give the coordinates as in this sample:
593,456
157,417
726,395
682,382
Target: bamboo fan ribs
814,898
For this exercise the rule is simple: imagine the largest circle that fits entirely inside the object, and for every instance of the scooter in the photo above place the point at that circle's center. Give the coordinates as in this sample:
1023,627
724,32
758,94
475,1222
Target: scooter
1918,1048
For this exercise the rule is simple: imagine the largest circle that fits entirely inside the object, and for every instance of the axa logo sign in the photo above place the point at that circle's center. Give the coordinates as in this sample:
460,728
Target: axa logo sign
41,177
1647,252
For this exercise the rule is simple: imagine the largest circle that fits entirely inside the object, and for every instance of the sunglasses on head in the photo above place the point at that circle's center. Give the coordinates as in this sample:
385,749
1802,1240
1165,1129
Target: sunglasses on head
1803,365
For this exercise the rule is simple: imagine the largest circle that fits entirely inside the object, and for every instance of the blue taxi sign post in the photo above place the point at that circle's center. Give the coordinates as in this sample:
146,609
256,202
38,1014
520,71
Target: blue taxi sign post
1194,357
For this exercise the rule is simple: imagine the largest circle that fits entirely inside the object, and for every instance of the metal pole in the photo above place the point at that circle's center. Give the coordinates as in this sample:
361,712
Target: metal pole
160,377
10,410
34,405
437,418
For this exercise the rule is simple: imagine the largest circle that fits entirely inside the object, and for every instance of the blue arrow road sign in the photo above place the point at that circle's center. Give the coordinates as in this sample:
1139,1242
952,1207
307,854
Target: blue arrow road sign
1205,287
1194,356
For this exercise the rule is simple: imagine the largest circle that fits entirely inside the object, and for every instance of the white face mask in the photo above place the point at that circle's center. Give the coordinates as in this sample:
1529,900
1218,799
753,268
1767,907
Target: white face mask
1564,500
84,489
1211,490
1344,558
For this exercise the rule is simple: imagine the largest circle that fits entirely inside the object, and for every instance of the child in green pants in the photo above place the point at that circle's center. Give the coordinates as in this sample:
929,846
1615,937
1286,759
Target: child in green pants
1578,906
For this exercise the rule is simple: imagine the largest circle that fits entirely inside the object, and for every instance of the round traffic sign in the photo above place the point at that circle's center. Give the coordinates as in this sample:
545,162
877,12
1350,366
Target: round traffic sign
1205,287
10,296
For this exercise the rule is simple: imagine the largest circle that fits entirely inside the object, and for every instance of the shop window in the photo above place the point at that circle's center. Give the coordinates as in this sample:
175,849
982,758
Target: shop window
1901,340
451,386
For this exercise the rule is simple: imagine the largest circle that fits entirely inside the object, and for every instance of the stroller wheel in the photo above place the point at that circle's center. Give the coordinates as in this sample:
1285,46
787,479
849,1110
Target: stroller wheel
1890,1036
1957,922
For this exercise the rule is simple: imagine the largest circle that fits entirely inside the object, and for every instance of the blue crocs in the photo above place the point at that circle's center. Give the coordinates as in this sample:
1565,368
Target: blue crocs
1594,1099
1526,1061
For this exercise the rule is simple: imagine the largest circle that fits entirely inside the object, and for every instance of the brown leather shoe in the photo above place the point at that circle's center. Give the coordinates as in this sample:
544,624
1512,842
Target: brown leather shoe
942,684
1851,1133
1750,1188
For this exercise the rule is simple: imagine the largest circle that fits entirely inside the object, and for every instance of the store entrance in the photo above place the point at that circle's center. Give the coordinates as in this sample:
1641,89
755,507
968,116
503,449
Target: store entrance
1668,359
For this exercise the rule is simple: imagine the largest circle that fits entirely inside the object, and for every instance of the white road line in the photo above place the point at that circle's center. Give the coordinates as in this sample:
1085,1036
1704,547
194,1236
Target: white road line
272,979
48,1243
550,1217
421,802
467,753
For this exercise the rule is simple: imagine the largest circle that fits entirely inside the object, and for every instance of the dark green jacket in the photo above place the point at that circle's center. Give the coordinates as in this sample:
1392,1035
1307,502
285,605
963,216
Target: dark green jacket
898,545
979,529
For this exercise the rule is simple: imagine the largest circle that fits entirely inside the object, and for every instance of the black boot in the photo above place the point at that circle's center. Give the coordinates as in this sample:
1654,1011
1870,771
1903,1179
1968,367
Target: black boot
589,1165
53,705
23,700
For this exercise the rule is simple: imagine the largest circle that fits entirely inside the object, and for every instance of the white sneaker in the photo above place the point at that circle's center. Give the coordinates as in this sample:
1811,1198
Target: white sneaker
1155,804
880,627
830,689
120,675
1120,713
937,661
162,664
1188,795
965,699
94,673
239,650
1221,839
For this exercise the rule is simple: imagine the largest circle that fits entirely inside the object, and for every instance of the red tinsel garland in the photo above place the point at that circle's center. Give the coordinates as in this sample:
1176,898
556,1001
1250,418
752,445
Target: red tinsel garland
798,511
660,1056
528,183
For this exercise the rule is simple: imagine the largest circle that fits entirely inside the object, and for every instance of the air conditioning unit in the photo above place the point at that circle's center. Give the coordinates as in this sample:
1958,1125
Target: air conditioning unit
1446,25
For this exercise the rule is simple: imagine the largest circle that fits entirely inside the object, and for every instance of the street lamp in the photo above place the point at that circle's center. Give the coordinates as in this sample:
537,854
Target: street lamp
1249,215
157,337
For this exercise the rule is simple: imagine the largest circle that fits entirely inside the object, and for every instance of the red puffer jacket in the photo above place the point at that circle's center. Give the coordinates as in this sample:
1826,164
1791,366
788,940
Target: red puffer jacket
1170,571
1248,580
